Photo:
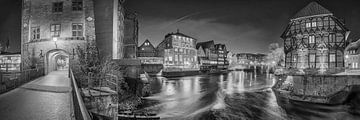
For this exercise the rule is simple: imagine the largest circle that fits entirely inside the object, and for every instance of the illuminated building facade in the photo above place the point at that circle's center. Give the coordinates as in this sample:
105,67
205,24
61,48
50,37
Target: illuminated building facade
221,51
10,62
315,38
352,56
250,59
179,52
207,55
52,29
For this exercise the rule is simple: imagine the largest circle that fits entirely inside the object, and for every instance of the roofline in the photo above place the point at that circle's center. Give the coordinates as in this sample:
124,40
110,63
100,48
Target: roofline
293,19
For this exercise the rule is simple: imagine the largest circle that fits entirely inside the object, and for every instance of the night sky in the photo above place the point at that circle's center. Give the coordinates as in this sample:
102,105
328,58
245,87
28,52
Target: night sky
243,25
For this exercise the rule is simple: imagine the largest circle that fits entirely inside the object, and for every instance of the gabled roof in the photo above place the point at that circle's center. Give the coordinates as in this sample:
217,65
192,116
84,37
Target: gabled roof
179,34
205,45
147,41
311,9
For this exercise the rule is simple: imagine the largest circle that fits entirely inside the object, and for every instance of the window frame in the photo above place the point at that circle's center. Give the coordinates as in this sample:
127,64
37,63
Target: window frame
79,31
55,30
57,7
77,5
35,35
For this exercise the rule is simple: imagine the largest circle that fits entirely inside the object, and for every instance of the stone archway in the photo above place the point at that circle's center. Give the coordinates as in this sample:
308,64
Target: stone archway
56,59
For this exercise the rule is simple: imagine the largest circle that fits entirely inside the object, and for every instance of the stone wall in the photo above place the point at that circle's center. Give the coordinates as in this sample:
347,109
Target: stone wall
322,85
38,13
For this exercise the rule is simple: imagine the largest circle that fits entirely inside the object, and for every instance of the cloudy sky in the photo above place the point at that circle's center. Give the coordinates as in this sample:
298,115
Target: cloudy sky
243,25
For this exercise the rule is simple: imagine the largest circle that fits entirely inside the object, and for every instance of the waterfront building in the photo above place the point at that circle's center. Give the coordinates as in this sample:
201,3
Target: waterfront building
150,62
352,55
10,62
207,55
250,59
315,38
221,51
179,52
146,50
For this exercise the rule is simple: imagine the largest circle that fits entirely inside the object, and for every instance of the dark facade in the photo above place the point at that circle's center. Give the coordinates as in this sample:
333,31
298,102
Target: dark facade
150,62
315,38
146,50
221,51
109,23
179,52
131,32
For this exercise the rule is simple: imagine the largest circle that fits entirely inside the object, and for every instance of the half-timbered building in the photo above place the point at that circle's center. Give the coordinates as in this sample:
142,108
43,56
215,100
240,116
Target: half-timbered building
315,38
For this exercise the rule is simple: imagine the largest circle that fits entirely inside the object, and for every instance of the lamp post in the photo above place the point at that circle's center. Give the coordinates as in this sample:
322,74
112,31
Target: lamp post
55,39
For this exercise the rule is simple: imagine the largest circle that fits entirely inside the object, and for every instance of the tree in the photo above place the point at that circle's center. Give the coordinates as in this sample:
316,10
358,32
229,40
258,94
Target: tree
276,57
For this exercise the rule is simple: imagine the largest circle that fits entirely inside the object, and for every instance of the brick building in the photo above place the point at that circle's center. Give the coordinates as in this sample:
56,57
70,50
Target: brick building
179,52
52,29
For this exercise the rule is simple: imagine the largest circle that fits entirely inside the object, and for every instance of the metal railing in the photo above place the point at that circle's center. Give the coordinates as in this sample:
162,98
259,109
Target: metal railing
79,108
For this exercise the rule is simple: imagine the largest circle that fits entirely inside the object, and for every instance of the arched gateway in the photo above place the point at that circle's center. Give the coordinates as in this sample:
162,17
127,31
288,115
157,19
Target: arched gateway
56,59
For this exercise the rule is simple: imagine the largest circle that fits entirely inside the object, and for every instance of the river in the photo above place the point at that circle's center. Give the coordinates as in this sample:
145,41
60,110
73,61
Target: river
232,96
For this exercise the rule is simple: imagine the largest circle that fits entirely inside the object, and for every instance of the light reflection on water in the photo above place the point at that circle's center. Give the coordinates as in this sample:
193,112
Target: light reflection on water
236,95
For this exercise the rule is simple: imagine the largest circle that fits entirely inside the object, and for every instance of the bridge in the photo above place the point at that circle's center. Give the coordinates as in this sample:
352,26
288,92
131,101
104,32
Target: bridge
50,97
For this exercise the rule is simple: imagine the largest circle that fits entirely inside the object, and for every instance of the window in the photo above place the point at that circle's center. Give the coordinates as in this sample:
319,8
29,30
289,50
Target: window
332,38
35,33
311,39
176,57
332,57
57,6
77,5
313,24
77,30
55,30
312,57
170,58
180,58
308,25
176,49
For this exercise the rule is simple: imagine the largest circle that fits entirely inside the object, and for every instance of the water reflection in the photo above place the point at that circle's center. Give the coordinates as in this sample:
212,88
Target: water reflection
236,95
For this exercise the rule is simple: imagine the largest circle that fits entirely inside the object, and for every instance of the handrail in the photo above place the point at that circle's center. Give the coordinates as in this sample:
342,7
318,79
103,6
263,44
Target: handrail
76,93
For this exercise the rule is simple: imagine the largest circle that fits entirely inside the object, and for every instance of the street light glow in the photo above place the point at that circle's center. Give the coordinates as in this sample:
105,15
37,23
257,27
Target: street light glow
55,39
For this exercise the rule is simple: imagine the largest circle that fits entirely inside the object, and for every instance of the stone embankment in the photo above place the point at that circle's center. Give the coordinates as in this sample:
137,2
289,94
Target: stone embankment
327,89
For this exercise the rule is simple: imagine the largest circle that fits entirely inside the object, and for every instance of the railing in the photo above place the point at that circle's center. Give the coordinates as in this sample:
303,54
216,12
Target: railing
12,80
79,108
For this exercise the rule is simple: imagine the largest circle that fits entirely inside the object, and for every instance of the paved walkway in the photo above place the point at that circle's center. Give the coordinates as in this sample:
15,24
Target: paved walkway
46,98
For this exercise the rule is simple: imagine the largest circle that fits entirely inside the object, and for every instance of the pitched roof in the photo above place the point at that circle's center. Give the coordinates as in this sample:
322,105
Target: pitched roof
354,36
353,46
179,34
205,45
147,41
311,9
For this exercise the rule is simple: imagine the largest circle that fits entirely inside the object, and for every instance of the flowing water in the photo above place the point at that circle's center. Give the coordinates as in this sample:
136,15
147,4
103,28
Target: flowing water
232,96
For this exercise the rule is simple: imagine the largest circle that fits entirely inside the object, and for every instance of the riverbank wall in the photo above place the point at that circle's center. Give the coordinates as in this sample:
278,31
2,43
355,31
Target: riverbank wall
327,89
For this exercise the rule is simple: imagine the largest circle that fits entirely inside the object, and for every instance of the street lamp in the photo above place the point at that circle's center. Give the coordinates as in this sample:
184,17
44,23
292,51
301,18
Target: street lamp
55,39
